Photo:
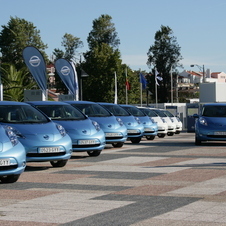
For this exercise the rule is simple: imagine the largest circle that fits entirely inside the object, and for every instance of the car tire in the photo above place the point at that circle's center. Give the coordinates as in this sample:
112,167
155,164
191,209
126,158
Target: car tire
177,132
135,140
10,178
60,163
150,137
93,153
197,141
161,135
117,145
170,133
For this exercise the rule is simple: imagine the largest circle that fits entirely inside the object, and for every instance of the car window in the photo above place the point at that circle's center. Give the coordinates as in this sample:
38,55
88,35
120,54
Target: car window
61,112
93,110
149,112
214,111
116,110
21,114
134,111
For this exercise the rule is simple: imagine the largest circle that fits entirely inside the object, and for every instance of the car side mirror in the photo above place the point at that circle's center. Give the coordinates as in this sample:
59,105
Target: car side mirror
195,116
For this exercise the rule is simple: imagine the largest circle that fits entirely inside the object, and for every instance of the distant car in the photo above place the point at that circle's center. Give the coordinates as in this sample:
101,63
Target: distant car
135,128
113,127
43,139
150,127
85,133
168,120
175,120
12,156
162,125
210,124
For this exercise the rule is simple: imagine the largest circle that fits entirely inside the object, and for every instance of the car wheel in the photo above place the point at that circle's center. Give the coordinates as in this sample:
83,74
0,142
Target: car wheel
177,132
117,145
93,153
135,140
197,141
10,178
161,135
60,163
170,133
150,137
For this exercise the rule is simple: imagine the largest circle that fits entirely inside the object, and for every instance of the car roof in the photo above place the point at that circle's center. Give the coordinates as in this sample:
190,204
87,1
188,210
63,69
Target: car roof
12,103
47,103
214,104
79,102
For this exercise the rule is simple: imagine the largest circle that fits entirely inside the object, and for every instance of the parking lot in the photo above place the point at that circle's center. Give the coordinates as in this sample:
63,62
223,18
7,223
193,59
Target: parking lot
167,181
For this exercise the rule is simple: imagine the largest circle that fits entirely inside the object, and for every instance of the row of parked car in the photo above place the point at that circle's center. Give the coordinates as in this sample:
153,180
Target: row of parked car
39,131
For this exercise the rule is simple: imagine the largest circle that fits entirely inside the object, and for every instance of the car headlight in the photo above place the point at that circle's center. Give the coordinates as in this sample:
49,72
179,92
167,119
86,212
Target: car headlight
138,120
153,121
61,130
120,121
14,130
12,136
203,121
163,120
96,125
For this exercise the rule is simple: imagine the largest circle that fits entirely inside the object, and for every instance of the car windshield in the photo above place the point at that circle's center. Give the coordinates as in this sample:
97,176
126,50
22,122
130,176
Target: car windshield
93,110
214,111
168,113
134,111
160,113
116,110
61,112
21,114
149,112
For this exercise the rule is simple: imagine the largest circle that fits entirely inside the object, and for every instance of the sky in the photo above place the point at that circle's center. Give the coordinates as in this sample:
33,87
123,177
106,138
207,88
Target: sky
198,25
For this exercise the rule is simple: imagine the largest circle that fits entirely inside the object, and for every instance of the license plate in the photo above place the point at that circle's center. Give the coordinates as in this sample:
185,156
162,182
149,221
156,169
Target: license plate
4,162
219,133
132,131
84,142
147,129
112,134
49,150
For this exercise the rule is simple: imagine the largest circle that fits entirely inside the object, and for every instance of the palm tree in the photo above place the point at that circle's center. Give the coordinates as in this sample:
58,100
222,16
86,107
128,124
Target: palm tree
15,82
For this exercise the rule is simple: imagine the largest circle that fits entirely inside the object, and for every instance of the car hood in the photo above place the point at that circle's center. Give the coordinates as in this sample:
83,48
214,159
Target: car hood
107,122
79,126
216,121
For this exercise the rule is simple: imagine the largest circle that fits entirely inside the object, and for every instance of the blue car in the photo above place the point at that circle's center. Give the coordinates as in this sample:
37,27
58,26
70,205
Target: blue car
150,127
210,124
86,134
135,128
113,127
43,139
12,156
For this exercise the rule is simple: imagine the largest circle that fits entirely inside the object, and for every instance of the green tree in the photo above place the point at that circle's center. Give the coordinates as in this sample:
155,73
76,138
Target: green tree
15,82
15,36
70,44
102,61
103,32
163,56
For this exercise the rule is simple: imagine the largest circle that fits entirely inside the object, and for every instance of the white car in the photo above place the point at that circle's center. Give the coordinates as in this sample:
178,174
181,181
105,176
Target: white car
175,120
171,126
162,125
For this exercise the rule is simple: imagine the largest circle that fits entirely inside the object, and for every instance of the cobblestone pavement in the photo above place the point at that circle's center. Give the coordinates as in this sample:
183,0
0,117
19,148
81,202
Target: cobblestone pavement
167,181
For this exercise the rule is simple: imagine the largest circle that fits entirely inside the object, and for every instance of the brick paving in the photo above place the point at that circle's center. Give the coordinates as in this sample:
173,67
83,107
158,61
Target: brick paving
167,181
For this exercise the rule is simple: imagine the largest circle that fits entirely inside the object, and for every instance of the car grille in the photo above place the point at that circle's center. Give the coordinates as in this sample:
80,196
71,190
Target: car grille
45,154
134,133
217,136
3,168
112,138
85,146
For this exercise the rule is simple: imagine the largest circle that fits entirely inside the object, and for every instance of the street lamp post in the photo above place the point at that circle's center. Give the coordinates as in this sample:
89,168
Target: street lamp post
200,68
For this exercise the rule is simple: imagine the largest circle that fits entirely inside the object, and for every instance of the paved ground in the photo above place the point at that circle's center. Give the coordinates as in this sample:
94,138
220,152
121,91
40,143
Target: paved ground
167,181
